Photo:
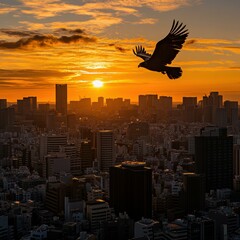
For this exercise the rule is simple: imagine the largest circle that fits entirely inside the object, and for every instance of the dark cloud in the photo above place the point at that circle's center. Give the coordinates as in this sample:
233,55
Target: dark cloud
190,42
45,41
16,33
235,68
121,49
70,31
29,74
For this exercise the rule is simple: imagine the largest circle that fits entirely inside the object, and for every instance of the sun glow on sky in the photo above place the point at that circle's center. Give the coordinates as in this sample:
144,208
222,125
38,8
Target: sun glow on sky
76,42
97,83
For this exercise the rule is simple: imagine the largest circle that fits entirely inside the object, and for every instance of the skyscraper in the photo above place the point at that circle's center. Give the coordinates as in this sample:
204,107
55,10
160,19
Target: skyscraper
7,116
105,149
131,189
86,155
214,157
51,144
3,103
194,192
61,98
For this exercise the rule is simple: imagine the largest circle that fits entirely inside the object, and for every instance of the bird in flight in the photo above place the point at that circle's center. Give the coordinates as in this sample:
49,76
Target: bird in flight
165,51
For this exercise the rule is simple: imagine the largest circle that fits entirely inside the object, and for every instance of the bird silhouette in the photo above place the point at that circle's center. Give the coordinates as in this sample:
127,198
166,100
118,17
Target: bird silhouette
165,51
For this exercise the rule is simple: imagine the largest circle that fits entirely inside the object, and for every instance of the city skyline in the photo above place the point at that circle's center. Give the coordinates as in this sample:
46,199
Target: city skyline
64,42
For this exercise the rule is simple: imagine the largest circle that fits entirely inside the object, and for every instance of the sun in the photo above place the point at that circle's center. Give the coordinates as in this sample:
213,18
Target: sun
97,83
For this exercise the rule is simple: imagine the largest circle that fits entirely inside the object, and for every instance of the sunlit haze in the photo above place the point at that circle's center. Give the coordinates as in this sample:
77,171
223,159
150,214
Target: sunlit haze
43,43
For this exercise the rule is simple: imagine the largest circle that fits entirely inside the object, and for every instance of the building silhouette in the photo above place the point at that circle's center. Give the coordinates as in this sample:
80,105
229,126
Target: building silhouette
61,98
3,103
105,149
131,189
214,157
194,192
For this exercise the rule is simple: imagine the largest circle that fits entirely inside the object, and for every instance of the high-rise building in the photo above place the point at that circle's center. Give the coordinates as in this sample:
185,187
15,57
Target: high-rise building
3,103
231,111
51,144
194,193
27,105
201,228
131,189
105,149
236,159
221,117
55,163
165,103
86,155
148,103
210,104
7,116
100,102
214,157
97,211
72,153
189,102
61,98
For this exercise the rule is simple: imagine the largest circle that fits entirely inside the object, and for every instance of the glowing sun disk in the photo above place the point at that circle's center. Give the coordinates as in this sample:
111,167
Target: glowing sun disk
97,83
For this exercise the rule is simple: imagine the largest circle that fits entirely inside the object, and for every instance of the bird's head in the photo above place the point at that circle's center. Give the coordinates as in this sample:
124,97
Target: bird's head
142,64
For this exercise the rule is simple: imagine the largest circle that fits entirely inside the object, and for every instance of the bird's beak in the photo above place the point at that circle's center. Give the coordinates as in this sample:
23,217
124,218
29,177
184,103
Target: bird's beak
139,66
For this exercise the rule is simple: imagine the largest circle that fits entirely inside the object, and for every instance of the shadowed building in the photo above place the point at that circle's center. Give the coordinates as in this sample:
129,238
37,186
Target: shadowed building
131,189
214,158
194,193
3,103
105,149
61,98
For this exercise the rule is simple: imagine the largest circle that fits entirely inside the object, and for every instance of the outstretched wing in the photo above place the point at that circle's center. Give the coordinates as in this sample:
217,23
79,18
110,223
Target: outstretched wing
167,49
141,52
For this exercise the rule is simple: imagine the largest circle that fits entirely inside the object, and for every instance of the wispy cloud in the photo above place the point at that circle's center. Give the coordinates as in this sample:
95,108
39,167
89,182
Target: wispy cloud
4,8
213,45
45,41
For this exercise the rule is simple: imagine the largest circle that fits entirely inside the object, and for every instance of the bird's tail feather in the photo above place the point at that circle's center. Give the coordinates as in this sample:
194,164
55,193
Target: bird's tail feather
174,72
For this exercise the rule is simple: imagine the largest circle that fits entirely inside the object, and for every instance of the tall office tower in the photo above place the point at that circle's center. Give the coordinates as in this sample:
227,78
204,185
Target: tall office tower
137,130
226,221
100,102
61,98
105,149
51,144
201,228
55,163
236,160
32,102
51,121
165,103
72,153
86,155
97,211
210,105
27,105
3,103
194,192
148,103
214,157
189,102
142,103
221,117
231,111
131,189
189,111
7,116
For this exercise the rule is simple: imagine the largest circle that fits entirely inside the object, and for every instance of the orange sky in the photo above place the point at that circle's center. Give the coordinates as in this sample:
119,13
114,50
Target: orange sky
53,41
